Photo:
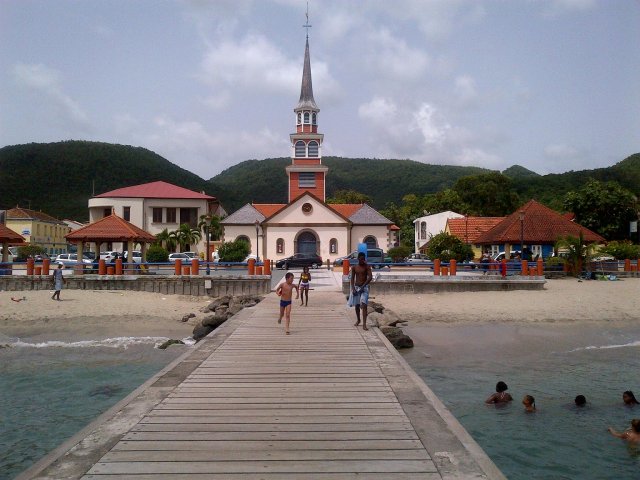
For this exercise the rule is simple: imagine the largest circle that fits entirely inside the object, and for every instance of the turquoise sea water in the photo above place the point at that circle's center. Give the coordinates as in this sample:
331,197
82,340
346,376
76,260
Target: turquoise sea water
554,364
51,390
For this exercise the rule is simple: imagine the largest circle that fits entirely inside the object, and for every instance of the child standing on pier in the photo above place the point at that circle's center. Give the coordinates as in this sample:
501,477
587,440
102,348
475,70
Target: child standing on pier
285,291
303,285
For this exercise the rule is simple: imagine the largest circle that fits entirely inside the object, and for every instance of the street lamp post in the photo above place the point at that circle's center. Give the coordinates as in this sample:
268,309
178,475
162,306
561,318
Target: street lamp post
521,215
257,224
207,229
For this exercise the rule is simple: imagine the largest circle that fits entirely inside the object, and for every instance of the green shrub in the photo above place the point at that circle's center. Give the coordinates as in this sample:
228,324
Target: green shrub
28,251
621,250
398,254
157,254
235,251
446,246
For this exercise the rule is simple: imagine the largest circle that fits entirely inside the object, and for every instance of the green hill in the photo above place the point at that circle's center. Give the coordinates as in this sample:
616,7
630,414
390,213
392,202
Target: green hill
59,178
265,181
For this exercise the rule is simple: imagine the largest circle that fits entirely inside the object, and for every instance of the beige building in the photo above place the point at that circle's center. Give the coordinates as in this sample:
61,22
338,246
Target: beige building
154,207
39,229
307,224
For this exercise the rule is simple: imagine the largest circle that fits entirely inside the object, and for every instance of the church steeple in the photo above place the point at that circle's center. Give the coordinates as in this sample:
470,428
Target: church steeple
306,91
306,172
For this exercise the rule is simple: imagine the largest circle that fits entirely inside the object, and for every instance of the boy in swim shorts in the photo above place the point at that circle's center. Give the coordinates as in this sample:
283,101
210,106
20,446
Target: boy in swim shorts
285,291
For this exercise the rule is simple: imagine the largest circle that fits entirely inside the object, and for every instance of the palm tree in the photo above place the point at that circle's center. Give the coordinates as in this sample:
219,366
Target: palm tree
185,235
578,252
212,223
166,239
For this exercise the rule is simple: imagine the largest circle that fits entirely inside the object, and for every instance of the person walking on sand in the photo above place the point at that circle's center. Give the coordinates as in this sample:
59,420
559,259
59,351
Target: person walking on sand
303,285
58,281
630,435
285,292
361,277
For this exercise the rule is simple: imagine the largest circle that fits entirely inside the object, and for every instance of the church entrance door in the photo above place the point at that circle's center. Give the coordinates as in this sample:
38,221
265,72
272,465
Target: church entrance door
307,243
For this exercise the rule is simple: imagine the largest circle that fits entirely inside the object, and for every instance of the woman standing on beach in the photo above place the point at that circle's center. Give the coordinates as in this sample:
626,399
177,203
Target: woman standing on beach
58,281
303,285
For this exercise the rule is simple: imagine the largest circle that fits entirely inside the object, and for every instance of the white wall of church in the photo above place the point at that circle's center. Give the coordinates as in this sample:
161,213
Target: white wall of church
232,232
380,232
324,234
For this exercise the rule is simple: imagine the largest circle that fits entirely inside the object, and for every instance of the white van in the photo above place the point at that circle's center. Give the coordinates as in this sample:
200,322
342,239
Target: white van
13,253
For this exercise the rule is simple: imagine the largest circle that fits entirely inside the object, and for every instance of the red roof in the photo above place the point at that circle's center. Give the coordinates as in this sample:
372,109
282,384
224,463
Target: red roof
9,236
19,212
110,229
345,209
470,228
155,190
540,225
268,209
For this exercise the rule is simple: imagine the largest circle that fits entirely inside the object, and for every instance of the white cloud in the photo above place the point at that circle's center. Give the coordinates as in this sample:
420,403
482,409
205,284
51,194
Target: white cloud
378,111
194,147
47,81
254,65
390,56
434,130
559,7
561,151
465,91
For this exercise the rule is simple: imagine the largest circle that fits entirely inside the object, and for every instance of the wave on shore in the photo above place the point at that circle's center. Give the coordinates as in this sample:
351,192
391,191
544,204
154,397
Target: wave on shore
635,343
116,342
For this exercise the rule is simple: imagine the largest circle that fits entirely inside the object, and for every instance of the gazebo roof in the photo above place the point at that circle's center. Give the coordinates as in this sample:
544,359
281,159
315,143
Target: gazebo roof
9,236
540,225
110,229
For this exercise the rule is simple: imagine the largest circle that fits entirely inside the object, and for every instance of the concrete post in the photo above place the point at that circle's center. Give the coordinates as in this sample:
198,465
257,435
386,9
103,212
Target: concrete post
453,267
627,265
46,263
525,267
102,267
251,266
503,268
345,267
30,264
436,267
119,266
178,266
540,267
195,266
186,270
267,266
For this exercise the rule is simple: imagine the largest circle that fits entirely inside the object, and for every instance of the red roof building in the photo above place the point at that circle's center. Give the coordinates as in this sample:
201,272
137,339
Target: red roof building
155,190
469,229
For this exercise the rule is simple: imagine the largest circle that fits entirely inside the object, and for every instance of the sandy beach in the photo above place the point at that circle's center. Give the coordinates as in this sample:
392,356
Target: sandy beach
565,300
96,314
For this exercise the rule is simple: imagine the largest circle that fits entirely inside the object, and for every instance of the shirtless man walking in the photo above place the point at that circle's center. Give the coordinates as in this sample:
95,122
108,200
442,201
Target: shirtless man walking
361,276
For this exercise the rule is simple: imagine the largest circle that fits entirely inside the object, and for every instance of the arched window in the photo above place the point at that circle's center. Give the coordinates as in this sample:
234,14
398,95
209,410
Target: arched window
333,246
301,149
314,118
299,118
306,118
423,230
313,148
280,245
370,241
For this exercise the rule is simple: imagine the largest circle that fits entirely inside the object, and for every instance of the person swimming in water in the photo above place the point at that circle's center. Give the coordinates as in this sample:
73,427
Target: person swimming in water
501,395
630,435
629,398
580,401
529,403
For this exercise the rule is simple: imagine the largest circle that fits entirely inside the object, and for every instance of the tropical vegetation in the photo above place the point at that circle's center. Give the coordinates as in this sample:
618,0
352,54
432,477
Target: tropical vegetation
445,247
235,251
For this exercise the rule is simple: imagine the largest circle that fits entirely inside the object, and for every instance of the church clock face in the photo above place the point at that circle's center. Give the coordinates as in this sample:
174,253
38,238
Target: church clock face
307,208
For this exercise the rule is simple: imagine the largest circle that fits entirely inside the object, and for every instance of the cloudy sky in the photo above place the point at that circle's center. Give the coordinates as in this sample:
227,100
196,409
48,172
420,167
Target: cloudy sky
548,84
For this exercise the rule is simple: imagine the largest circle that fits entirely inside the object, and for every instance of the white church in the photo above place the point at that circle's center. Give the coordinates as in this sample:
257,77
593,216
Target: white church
307,224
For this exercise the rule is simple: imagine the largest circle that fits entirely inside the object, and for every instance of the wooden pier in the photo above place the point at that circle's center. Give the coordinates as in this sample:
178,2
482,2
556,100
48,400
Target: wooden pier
328,401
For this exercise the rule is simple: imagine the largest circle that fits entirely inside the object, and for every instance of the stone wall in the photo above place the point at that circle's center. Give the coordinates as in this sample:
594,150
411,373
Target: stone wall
167,285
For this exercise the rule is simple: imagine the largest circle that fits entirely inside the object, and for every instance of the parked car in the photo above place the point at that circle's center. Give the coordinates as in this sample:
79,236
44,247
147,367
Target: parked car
137,256
13,253
312,260
417,258
179,256
41,256
375,257
500,256
191,254
108,255
70,260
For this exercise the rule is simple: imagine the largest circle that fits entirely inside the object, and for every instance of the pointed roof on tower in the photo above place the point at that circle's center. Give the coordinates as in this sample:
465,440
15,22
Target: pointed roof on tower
306,91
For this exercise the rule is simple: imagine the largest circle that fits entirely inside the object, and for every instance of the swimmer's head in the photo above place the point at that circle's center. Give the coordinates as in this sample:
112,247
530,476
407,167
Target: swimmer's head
580,401
501,387
629,398
528,401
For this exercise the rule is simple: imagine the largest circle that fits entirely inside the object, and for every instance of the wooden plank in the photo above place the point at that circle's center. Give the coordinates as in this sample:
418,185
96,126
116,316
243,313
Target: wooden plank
270,427
291,412
272,418
270,476
268,436
269,445
254,455
305,466
302,398
307,407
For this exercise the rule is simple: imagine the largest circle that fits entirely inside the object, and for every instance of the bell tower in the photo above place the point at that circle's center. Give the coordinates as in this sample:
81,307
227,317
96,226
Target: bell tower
306,172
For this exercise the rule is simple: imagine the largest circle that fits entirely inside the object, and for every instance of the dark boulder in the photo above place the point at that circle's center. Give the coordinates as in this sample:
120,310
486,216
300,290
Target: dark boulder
169,343
201,331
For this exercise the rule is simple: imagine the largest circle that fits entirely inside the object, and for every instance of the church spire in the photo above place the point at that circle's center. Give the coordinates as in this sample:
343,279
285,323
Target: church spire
306,91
